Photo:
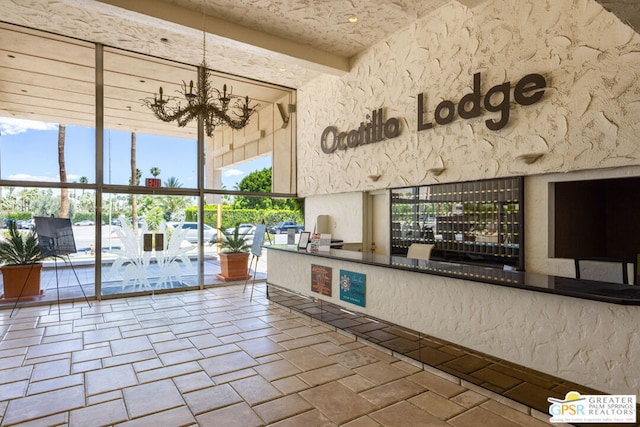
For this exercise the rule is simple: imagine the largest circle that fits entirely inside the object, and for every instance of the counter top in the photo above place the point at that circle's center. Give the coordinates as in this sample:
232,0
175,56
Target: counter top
577,288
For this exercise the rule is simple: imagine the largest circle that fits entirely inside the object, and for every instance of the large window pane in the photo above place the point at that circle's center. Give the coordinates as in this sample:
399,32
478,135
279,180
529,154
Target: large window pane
158,251
172,160
72,276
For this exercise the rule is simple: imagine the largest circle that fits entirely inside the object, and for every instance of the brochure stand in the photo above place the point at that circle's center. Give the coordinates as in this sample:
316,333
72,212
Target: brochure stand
256,251
55,236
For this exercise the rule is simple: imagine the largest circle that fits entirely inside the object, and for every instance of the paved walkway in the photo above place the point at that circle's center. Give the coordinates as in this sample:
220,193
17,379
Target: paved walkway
215,358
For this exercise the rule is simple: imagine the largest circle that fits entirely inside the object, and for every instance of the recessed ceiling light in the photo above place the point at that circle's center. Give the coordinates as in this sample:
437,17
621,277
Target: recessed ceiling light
10,56
353,19
143,81
164,40
282,69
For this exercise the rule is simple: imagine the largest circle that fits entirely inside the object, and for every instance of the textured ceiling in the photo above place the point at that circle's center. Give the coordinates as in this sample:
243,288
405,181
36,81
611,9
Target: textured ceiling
285,43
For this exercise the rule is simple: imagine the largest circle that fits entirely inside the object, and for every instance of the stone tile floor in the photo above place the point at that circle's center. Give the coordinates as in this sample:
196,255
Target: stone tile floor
215,358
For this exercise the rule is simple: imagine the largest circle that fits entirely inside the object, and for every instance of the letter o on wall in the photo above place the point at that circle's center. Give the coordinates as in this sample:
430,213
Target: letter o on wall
451,112
329,147
391,128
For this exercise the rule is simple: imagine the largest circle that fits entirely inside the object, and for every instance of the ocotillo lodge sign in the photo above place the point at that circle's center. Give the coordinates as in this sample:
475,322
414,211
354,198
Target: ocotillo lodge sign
527,91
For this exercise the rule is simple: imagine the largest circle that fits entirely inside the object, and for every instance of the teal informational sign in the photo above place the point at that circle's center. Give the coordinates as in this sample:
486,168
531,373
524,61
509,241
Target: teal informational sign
353,287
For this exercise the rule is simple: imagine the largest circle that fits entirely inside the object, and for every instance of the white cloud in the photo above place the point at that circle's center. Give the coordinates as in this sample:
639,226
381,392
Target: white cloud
27,177
10,126
233,172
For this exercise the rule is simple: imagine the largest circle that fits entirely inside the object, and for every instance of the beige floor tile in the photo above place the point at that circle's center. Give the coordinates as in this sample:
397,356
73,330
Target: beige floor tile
282,408
101,335
437,384
512,414
55,383
109,379
308,341
128,358
61,419
255,389
192,382
172,345
290,385
306,358
238,415
392,392
180,356
153,397
311,418
437,405
211,398
365,421
480,417
337,402
325,374
469,399
171,418
62,347
130,345
24,333
404,414
357,383
91,354
15,374
233,376
102,414
44,404
220,350
13,389
328,348
202,341
381,372
169,372
278,369
147,365
354,358
57,368
225,363
104,397
213,355
260,347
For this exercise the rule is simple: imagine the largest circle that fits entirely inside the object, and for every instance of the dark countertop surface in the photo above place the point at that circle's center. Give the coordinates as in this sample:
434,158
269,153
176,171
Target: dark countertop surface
579,288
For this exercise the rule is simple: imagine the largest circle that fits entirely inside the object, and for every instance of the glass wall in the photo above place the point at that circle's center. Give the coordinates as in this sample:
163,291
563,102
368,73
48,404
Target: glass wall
146,201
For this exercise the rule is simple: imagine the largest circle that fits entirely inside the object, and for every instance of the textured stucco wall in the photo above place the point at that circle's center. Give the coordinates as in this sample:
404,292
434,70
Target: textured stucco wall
588,342
587,118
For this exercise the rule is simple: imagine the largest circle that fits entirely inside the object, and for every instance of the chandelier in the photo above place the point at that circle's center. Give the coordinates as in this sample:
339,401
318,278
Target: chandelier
204,102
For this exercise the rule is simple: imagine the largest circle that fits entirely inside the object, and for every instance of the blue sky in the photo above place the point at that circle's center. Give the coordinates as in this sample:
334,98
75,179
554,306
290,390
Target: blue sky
29,151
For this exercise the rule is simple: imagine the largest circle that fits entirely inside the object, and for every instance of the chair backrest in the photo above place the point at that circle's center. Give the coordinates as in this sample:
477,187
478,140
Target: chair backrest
602,269
420,251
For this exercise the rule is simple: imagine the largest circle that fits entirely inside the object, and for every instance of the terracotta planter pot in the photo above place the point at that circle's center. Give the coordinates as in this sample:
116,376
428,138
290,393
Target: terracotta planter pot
233,267
15,277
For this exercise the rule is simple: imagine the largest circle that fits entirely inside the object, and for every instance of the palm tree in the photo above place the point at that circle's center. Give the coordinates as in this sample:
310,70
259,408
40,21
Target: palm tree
83,180
135,180
64,192
172,182
155,171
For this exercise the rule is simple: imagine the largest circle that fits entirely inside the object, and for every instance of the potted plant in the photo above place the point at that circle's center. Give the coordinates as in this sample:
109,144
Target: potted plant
234,256
22,261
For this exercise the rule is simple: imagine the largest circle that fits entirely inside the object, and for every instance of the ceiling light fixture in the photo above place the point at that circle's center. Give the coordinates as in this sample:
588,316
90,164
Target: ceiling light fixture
204,102
353,19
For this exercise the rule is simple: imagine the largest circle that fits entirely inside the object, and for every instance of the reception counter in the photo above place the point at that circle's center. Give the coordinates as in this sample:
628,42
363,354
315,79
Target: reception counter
581,331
